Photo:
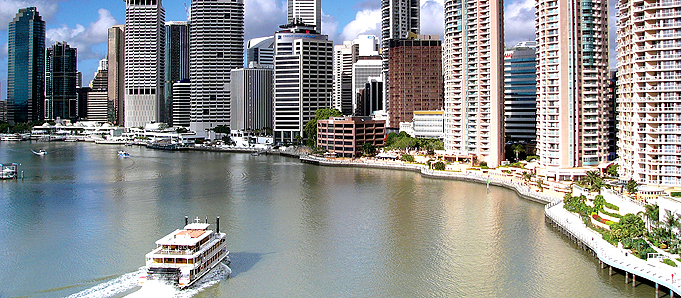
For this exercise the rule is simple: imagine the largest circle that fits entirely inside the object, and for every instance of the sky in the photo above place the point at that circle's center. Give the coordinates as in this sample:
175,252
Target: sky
83,23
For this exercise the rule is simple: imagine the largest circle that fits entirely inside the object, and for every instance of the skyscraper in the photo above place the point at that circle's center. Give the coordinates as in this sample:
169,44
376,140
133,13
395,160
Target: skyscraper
144,61
251,98
177,62
473,79
61,75
98,105
217,44
520,95
400,18
345,56
572,83
307,11
26,67
416,76
260,51
116,73
649,91
303,75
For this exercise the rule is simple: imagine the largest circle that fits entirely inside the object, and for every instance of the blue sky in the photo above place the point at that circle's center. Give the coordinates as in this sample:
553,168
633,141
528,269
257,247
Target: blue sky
83,23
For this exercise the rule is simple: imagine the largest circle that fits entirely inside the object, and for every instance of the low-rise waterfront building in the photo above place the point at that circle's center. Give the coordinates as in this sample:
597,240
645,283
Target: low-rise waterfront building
345,136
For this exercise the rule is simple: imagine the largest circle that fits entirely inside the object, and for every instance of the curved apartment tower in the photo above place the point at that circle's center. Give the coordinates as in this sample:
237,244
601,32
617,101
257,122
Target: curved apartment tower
572,83
474,79
649,91
216,47
144,61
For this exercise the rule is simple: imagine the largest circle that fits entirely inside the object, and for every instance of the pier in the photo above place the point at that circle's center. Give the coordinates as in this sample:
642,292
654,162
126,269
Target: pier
610,256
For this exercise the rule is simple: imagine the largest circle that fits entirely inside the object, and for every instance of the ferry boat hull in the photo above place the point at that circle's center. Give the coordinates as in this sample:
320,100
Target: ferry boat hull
185,256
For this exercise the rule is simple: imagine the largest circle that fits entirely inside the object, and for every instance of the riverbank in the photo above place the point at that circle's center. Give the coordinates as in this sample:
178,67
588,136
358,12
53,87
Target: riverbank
568,223
522,190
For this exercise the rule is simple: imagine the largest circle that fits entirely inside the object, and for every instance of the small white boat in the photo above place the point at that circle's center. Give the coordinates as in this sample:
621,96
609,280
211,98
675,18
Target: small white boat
122,153
12,138
184,256
40,152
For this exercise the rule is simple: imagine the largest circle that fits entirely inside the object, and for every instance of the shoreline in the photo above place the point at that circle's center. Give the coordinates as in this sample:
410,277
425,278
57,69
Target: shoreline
562,220
521,190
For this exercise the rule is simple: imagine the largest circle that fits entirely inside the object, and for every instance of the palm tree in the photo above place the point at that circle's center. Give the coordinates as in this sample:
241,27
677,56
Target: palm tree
527,176
540,184
652,215
517,148
671,221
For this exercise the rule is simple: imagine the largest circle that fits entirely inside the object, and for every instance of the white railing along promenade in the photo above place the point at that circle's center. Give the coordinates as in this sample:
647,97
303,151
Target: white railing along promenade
611,255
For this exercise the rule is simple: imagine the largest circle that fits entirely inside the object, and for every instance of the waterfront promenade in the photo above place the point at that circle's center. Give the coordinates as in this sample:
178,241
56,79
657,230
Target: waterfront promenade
571,224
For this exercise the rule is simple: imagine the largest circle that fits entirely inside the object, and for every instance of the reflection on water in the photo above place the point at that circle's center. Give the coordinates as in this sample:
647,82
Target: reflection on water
83,219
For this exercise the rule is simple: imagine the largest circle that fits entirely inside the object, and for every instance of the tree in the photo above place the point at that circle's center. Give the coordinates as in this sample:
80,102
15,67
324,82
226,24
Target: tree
311,126
517,148
631,186
629,226
652,215
408,158
671,221
527,176
368,149
612,170
540,184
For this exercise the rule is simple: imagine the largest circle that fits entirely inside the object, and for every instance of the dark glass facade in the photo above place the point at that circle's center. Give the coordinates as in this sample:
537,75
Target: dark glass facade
61,76
177,62
26,67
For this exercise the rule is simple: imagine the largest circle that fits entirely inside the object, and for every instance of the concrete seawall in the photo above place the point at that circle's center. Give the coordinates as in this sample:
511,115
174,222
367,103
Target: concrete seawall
522,190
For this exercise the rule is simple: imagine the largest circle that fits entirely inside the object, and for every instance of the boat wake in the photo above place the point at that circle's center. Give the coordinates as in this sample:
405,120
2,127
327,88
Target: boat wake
155,288
128,282
112,287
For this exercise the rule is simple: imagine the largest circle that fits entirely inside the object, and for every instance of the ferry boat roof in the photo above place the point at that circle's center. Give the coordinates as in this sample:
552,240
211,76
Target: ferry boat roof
192,234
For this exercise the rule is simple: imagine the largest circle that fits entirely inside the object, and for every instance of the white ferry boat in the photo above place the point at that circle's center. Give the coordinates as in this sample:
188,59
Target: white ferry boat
184,256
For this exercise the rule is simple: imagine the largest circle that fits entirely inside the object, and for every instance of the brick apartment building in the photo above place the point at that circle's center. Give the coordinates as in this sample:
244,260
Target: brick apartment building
346,135
415,77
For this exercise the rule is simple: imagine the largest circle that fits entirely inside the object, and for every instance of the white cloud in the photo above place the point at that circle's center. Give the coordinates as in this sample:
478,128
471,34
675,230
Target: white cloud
432,17
330,28
366,22
84,38
9,8
3,51
519,22
263,17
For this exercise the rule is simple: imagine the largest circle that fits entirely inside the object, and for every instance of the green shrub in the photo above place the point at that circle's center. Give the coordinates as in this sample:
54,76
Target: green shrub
440,166
611,206
675,194
669,262
407,157
611,214
483,164
643,254
531,157
627,243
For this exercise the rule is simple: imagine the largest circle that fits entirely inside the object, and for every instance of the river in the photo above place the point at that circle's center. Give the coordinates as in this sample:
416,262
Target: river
82,219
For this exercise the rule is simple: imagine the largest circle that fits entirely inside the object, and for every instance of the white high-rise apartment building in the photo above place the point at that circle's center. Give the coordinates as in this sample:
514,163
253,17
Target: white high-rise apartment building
399,18
344,57
303,79
572,83
366,67
307,11
144,61
649,91
474,74
216,47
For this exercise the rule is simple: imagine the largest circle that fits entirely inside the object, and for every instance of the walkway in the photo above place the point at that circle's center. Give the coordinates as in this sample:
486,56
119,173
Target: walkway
616,257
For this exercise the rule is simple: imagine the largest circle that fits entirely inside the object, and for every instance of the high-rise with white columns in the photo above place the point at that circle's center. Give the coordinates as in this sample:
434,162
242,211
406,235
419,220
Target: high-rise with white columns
572,83
649,91
307,11
144,61
216,47
474,79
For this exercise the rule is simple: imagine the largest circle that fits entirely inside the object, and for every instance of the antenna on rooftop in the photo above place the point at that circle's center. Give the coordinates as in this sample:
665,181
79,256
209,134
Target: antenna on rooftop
187,11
